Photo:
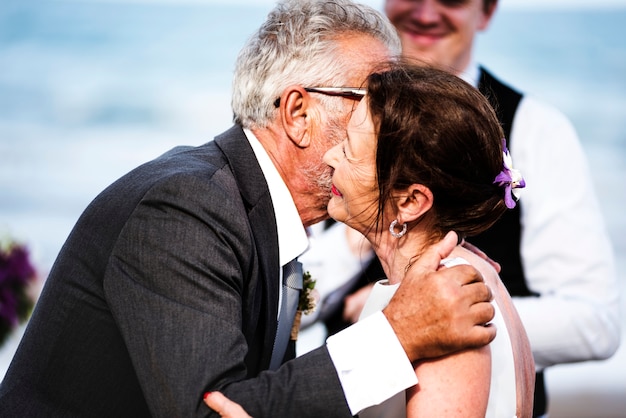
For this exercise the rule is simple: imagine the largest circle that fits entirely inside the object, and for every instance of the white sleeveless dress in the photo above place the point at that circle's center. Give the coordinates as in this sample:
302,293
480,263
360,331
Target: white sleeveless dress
502,393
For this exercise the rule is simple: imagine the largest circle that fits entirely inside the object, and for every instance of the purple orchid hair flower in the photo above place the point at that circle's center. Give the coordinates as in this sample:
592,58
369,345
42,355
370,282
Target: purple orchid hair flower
509,178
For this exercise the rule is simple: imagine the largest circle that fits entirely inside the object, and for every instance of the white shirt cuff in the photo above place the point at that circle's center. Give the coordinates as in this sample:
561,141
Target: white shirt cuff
370,362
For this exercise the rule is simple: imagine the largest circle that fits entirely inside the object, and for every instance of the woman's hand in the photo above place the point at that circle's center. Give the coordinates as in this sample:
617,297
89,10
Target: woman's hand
224,406
355,302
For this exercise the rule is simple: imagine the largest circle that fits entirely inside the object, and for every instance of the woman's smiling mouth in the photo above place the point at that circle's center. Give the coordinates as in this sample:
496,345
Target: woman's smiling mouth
335,191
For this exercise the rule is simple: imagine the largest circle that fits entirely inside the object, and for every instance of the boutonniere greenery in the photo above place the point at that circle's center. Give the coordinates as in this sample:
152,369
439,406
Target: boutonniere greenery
308,301
16,275
306,304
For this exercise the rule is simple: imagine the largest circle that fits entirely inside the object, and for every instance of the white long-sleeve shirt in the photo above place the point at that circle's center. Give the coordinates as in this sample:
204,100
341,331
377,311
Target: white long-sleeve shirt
565,249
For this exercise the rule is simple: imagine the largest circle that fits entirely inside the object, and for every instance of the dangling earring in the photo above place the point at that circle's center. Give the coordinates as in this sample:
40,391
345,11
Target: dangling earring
392,229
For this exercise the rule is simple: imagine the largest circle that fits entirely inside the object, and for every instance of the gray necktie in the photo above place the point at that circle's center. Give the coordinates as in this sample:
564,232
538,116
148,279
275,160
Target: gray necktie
292,285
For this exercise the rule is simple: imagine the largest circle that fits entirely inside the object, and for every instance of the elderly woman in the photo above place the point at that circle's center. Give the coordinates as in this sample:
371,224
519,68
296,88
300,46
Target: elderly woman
424,155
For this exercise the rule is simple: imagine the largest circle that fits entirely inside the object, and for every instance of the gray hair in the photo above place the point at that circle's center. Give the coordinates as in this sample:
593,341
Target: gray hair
296,45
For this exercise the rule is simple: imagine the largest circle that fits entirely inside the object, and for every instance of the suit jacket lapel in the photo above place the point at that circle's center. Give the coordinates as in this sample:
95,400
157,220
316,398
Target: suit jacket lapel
261,312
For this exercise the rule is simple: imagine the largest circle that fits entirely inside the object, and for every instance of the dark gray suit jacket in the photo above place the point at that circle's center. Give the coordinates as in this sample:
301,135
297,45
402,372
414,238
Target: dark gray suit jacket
167,287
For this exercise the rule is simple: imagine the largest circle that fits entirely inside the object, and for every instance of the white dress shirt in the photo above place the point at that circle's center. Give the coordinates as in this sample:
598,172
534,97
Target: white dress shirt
565,249
365,382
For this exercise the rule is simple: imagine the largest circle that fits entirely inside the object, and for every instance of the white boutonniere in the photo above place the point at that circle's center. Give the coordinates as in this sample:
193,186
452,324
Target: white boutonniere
307,303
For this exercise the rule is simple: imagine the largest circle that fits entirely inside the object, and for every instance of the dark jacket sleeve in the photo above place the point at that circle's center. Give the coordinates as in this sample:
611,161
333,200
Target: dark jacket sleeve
180,277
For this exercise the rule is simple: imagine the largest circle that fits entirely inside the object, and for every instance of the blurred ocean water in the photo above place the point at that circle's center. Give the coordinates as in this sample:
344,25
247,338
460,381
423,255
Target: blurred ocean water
88,90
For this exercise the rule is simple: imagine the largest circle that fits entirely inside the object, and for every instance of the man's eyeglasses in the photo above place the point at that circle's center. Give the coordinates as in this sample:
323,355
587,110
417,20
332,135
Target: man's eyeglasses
354,93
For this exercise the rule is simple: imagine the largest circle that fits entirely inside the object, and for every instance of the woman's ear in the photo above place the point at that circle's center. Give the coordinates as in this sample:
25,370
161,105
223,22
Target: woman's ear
294,108
414,203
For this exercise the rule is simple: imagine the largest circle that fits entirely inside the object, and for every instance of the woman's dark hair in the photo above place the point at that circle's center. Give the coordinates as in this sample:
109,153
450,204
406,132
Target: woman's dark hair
435,129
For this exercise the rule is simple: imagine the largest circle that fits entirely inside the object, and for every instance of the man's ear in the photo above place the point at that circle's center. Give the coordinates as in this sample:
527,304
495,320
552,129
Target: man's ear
414,203
488,12
294,113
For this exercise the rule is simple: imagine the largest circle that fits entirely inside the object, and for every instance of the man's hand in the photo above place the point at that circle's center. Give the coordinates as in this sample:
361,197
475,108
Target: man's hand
440,311
224,406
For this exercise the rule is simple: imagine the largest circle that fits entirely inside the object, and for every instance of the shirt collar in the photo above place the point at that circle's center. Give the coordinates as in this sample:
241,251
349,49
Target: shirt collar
292,236
471,74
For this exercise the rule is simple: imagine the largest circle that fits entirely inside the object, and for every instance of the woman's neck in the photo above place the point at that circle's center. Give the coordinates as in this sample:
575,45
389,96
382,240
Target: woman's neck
398,254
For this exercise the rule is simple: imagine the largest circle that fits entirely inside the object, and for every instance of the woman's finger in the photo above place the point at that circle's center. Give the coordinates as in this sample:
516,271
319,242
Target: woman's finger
224,406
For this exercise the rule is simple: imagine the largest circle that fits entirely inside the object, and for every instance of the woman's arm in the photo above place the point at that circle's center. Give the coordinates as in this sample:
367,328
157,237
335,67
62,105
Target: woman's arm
452,386
456,385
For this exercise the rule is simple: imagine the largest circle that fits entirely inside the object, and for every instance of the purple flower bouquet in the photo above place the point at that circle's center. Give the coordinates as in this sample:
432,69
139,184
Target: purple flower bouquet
16,274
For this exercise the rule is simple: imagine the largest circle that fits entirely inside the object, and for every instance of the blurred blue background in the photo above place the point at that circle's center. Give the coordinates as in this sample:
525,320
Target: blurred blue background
90,89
